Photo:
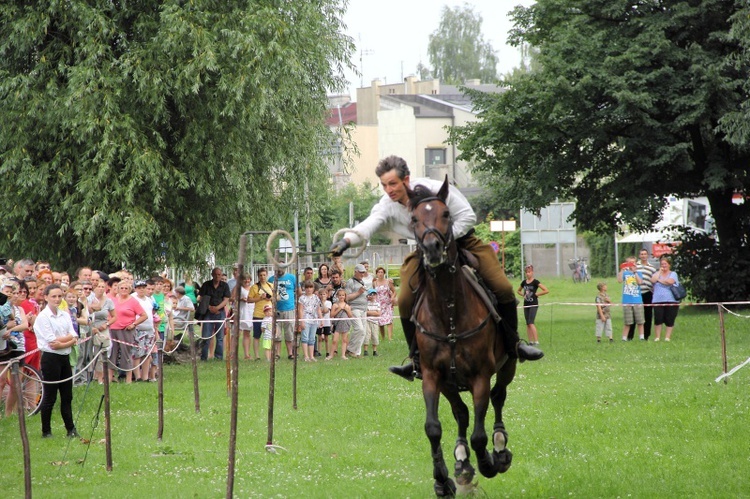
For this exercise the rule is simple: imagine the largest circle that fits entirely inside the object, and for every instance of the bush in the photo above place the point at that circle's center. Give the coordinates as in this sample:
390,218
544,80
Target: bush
708,272
512,246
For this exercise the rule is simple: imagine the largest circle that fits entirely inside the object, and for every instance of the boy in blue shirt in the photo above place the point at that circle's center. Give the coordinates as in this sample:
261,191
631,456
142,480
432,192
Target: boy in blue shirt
632,303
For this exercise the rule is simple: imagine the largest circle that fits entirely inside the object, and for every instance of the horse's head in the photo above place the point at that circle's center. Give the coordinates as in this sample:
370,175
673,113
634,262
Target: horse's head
431,223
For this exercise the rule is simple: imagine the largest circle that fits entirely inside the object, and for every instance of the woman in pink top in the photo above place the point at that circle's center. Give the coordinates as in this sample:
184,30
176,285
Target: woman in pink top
128,314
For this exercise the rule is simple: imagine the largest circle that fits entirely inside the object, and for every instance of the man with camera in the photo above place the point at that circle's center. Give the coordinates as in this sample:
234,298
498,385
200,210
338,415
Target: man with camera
260,294
357,299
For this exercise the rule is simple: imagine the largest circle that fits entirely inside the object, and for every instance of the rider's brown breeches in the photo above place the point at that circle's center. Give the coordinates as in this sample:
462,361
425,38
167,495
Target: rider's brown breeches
489,268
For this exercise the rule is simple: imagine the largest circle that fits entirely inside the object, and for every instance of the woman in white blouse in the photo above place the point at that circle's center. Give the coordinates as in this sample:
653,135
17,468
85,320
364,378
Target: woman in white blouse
55,335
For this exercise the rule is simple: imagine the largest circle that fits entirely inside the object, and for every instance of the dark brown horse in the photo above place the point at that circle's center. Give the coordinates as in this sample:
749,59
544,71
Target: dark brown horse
458,347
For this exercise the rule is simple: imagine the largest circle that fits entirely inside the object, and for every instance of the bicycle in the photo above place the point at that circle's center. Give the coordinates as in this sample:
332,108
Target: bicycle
585,277
32,389
575,265
580,269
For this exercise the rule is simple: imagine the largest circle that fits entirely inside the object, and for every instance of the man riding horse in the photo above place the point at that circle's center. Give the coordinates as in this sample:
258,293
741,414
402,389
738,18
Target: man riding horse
392,212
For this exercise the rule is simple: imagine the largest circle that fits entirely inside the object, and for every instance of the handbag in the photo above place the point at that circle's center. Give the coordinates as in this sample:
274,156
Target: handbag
678,291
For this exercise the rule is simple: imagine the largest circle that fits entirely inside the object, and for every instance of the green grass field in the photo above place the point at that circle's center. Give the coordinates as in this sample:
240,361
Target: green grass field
636,419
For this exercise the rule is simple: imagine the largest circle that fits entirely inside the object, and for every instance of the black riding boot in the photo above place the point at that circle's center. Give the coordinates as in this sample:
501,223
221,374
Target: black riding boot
410,370
513,344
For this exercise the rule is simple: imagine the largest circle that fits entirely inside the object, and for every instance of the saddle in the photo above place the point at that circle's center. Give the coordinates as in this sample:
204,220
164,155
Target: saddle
470,267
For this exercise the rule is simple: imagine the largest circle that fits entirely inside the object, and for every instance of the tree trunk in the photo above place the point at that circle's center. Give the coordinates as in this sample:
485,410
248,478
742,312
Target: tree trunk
727,218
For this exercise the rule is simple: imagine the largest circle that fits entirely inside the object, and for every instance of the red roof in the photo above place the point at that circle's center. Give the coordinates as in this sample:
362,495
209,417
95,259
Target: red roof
348,114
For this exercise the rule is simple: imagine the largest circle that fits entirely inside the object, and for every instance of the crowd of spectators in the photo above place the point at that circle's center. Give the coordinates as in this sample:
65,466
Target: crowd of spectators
125,316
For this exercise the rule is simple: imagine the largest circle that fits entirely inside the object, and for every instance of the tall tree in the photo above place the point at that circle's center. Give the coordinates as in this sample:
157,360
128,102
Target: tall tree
457,49
147,131
633,101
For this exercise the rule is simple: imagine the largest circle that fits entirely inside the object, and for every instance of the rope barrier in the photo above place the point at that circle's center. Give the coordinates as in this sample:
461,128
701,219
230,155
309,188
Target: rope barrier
735,313
20,357
734,370
670,304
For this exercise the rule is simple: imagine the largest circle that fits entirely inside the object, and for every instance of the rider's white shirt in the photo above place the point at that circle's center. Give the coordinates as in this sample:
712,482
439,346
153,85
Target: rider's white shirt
391,215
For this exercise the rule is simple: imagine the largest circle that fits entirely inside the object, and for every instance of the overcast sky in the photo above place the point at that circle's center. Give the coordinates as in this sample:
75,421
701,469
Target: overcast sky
393,35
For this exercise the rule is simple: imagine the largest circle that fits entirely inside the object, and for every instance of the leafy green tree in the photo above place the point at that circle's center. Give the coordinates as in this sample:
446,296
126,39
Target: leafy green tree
335,212
458,50
147,132
512,245
632,102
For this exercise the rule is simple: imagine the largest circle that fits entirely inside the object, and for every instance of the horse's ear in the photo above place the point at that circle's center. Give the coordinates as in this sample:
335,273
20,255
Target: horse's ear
409,193
443,192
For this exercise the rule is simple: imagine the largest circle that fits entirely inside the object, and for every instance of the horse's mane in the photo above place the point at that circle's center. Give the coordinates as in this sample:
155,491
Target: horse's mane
419,194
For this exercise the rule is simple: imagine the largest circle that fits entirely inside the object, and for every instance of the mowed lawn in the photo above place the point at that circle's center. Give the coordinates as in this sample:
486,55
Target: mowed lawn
636,419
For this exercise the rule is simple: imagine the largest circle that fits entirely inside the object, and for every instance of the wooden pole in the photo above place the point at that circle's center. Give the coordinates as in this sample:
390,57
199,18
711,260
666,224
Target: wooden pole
272,370
295,346
503,239
160,357
235,341
107,420
723,342
20,407
193,353
229,328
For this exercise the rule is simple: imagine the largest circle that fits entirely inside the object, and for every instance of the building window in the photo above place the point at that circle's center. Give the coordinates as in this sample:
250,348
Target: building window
434,156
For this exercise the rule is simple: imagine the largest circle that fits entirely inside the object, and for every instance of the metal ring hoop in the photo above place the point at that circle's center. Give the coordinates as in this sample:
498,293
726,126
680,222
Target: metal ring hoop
271,238
362,238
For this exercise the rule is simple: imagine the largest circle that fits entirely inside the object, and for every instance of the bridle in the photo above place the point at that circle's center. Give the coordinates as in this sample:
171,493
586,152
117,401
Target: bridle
447,239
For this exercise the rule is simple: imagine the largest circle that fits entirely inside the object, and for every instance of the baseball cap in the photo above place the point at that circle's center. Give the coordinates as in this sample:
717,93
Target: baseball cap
371,291
359,268
267,307
139,284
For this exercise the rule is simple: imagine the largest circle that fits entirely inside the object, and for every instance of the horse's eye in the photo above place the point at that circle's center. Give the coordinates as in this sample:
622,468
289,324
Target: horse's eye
414,220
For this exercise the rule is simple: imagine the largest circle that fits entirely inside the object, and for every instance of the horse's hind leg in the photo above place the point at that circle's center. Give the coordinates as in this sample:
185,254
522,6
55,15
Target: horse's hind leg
501,455
444,486
464,471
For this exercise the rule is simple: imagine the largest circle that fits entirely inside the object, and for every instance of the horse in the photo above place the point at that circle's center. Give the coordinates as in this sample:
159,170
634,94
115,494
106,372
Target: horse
459,349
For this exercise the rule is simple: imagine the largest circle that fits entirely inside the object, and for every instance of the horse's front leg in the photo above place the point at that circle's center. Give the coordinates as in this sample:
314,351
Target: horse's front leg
444,486
501,455
464,471
481,394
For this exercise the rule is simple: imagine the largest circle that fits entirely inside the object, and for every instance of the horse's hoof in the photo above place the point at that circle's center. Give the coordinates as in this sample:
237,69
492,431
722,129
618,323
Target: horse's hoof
445,489
487,466
465,490
464,473
503,460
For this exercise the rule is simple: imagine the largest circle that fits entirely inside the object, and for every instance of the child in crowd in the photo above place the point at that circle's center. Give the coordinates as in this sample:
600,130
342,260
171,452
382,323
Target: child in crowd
603,315
71,299
371,330
309,305
324,331
6,309
266,326
341,312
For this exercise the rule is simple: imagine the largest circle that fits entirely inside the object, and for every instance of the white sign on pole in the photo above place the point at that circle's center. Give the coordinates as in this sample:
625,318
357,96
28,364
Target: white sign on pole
285,246
502,225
